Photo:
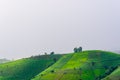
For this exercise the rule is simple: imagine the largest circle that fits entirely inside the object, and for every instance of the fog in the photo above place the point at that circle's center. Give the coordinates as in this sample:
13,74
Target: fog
31,27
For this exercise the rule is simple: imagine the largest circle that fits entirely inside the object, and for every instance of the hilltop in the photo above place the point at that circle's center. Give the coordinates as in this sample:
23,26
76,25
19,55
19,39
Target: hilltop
86,65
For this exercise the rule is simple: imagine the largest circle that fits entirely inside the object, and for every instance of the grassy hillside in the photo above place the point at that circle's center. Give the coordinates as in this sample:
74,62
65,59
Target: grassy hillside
115,75
25,69
86,65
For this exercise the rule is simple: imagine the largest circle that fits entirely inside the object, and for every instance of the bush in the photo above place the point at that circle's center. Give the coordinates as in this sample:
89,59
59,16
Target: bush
52,71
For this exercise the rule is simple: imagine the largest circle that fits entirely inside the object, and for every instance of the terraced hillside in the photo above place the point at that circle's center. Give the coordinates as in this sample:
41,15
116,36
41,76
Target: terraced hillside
25,69
86,65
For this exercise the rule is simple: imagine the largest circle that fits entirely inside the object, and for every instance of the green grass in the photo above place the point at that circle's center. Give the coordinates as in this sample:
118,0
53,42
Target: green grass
25,69
86,65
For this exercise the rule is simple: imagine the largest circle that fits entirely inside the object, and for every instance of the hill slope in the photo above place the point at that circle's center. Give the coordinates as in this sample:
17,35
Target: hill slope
115,75
86,65
25,69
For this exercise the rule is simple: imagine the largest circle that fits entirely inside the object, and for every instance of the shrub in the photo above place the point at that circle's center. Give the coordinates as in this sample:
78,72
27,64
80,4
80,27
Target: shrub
52,71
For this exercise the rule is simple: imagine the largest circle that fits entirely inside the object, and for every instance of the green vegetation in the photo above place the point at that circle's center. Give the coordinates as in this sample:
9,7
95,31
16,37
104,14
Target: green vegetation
25,69
82,65
86,65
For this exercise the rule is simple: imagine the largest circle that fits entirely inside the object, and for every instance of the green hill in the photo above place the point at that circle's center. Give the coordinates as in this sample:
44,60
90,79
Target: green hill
27,68
86,65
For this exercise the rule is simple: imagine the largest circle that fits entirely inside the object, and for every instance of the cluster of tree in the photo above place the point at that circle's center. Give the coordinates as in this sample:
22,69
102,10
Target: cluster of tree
77,49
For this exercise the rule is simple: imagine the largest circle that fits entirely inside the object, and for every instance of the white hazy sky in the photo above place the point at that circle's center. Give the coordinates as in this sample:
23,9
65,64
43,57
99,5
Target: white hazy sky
30,27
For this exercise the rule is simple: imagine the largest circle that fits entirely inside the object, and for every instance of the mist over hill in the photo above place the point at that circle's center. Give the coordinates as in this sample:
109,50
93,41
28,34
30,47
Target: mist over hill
4,60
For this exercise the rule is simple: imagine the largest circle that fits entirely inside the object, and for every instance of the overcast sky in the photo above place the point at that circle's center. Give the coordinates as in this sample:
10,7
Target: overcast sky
30,27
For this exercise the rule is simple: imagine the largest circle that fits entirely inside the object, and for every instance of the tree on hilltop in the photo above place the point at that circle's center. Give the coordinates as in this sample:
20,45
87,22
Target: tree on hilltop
77,49
52,53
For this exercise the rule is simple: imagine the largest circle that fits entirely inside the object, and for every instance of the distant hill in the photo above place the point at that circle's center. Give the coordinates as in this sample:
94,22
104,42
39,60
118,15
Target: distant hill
27,68
4,60
86,65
